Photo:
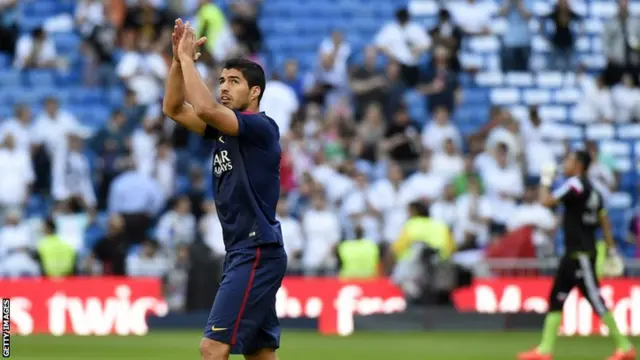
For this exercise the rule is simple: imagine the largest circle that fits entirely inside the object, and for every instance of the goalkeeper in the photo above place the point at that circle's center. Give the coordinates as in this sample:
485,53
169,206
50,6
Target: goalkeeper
583,214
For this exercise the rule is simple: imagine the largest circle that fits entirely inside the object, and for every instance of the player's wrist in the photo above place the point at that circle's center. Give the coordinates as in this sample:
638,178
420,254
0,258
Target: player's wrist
546,181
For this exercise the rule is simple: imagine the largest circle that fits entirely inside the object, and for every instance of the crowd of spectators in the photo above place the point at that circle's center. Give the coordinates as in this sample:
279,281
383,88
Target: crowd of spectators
132,195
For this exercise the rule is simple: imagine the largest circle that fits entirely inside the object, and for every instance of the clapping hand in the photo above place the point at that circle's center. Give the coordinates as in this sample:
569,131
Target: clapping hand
187,48
179,31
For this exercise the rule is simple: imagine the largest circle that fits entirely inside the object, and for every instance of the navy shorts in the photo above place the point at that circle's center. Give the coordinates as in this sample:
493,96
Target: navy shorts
243,314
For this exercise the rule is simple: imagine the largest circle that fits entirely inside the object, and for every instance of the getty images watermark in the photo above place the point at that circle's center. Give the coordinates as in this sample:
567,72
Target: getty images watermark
6,328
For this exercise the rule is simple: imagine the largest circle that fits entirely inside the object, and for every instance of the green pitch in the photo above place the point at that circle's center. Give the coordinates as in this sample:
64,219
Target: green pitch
311,346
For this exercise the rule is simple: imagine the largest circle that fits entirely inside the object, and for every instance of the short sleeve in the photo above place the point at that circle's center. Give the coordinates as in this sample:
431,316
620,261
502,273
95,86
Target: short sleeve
569,190
257,128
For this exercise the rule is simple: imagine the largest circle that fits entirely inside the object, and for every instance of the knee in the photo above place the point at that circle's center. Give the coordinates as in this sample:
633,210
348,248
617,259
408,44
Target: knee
214,350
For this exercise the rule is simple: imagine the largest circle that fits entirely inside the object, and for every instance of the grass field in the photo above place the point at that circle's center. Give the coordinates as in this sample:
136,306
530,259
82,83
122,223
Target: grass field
311,346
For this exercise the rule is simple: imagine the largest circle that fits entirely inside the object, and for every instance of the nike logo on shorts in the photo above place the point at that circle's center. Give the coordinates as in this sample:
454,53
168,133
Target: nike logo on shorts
214,329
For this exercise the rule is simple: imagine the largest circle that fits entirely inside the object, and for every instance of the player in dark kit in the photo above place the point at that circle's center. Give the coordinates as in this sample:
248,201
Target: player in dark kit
246,167
583,215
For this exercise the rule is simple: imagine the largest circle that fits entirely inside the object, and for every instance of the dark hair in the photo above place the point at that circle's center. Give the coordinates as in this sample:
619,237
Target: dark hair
584,158
252,72
402,15
358,232
50,224
37,32
444,14
420,209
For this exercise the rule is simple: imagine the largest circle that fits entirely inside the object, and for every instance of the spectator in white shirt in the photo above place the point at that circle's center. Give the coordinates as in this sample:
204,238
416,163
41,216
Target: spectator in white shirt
596,104
72,181
472,219
20,127
280,102
321,227
143,70
53,125
449,163
356,210
211,230
390,197
504,184
165,168
438,130
334,53
626,100
291,235
532,213
16,248
445,209
177,226
474,17
89,14
404,41
35,51
425,184
17,175
143,145
148,262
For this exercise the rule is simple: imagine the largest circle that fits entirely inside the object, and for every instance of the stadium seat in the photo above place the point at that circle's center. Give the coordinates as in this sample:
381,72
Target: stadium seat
490,79
9,77
631,131
567,96
549,79
553,113
505,96
519,79
600,131
536,97
615,148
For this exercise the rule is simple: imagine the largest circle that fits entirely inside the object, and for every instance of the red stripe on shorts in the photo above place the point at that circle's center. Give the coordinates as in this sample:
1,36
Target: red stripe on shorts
246,297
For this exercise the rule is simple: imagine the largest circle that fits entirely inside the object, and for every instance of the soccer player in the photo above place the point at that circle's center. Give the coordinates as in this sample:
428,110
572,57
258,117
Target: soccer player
583,214
246,167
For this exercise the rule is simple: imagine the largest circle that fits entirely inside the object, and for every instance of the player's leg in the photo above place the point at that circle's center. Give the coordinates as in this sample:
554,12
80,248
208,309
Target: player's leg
225,319
267,338
562,285
590,288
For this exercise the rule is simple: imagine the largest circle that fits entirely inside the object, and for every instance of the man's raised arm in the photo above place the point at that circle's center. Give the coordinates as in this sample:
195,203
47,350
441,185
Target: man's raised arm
173,104
202,101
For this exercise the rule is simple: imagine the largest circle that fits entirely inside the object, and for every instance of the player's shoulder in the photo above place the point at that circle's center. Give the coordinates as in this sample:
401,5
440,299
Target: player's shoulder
258,116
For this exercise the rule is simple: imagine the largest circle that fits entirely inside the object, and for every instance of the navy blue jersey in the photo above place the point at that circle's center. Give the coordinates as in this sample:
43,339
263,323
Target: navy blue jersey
246,176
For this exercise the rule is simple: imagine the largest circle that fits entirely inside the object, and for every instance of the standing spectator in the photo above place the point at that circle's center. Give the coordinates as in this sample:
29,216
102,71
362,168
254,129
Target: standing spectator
473,217
424,184
389,198
280,102
9,15
516,41
367,83
109,144
246,14
626,100
72,181
438,130
17,248
596,103
449,36
164,170
52,127
621,41
402,140
461,182
109,253
504,184
177,226
177,279
94,26
294,241
321,227
474,17
20,127
211,230
440,83
17,176
404,41
137,197
562,36
149,261
356,211
332,71
143,70
366,144
445,208
143,145
448,163
148,20
210,22
57,257
292,78
35,51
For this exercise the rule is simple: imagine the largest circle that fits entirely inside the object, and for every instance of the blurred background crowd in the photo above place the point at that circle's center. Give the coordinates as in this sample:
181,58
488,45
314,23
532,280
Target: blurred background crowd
400,123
